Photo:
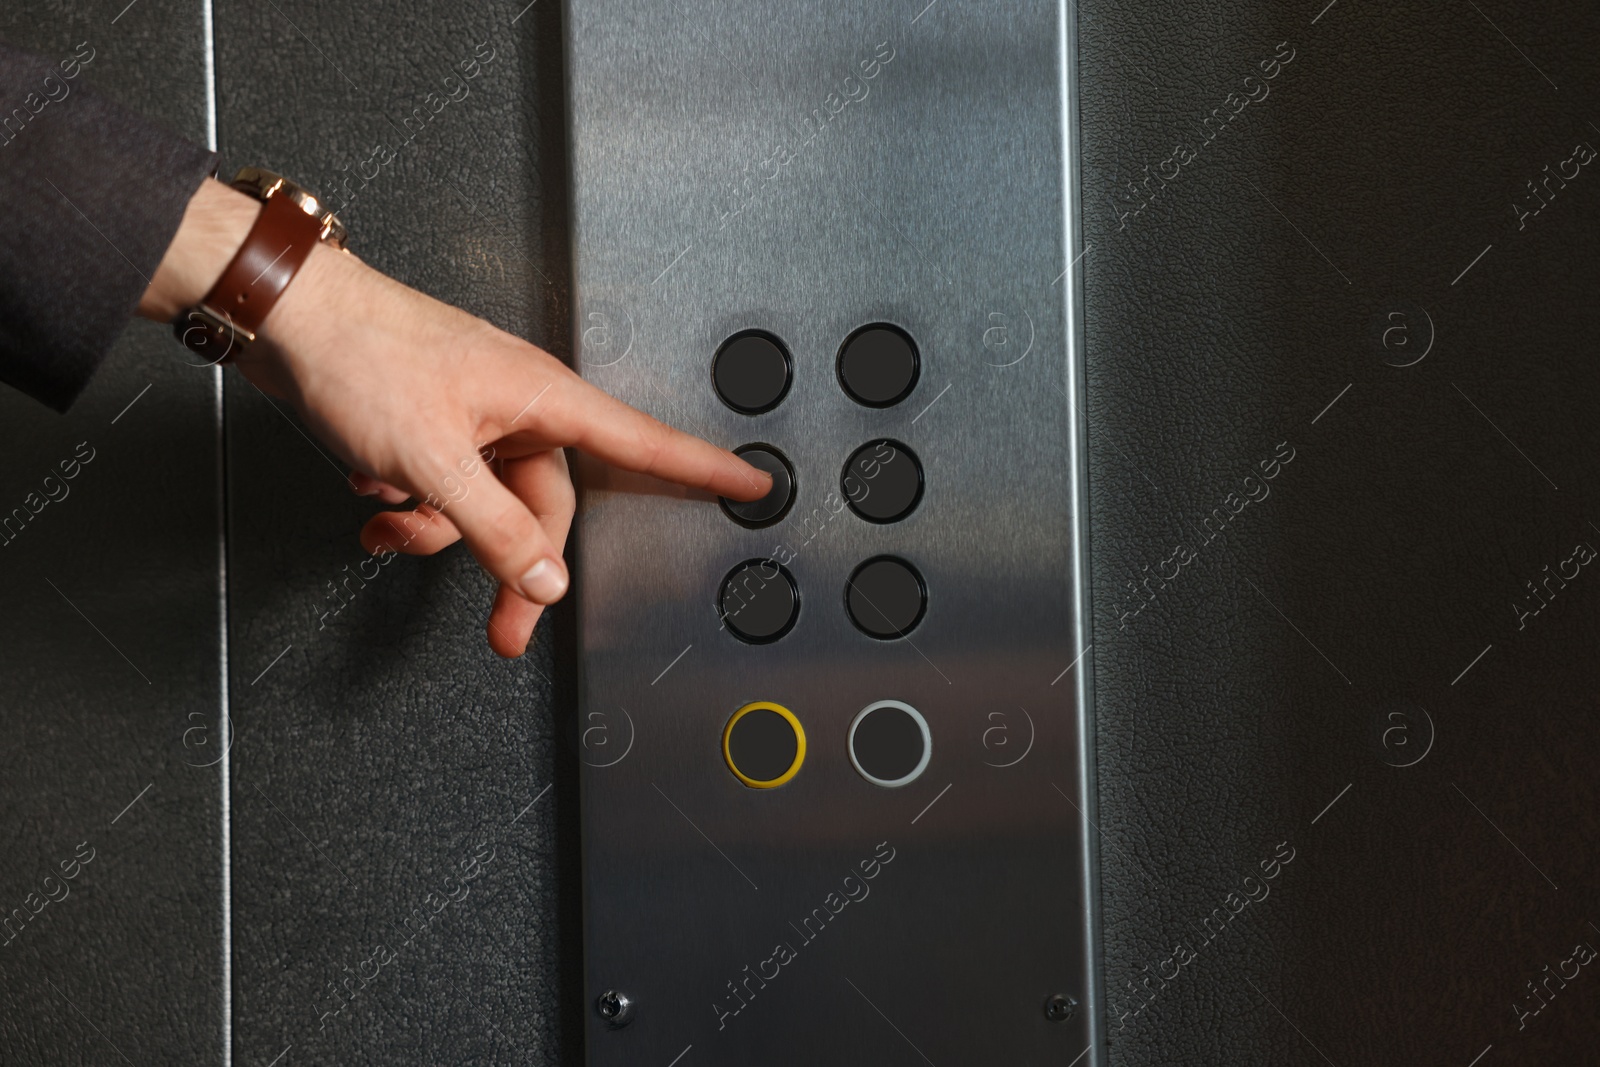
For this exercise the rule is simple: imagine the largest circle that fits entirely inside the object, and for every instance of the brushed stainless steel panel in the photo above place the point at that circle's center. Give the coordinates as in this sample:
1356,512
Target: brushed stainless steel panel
806,169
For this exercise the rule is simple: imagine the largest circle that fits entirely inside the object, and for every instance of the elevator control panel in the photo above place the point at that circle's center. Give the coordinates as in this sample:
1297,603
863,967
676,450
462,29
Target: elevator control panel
837,781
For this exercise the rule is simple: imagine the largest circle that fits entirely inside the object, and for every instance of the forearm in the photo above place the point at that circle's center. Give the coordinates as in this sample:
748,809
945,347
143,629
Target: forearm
90,196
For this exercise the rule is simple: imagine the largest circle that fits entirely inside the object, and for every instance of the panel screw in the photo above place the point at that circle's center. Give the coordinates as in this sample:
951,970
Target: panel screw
1059,1008
615,1007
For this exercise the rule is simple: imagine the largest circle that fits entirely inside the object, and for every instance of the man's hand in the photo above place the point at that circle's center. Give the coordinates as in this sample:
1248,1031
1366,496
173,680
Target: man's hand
412,393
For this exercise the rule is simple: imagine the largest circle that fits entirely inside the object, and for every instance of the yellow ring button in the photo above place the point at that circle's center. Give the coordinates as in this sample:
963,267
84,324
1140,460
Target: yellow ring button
764,745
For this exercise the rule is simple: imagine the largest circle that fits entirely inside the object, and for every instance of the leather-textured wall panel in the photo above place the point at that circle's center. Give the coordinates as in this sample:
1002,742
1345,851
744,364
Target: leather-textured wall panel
403,802
109,649
1359,233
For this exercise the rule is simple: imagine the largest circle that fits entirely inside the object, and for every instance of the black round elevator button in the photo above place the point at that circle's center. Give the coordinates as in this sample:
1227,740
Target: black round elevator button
885,597
758,601
751,372
890,743
878,365
775,505
882,481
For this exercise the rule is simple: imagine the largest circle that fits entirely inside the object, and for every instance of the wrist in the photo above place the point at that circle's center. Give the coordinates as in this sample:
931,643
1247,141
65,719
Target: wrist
215,224
301,321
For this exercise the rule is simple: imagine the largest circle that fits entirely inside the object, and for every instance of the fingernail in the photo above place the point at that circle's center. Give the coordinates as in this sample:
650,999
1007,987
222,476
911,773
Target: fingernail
373,491
545,582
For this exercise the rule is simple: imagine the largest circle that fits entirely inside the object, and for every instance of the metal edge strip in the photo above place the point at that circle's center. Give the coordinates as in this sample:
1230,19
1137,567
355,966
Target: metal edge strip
575,542
225,720
1077,466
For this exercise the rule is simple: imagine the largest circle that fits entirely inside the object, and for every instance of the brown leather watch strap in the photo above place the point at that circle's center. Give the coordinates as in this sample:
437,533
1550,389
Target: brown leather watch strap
233,311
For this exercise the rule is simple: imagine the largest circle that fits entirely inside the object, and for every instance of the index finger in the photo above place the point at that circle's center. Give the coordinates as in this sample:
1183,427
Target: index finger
608,429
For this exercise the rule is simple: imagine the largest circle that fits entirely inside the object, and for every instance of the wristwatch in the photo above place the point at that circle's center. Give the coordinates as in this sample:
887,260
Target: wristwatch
292,223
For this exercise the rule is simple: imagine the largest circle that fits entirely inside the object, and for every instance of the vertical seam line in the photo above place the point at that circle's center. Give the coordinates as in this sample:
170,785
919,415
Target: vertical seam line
225,726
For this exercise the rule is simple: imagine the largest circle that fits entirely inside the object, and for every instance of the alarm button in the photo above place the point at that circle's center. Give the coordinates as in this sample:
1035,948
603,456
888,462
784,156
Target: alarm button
764,745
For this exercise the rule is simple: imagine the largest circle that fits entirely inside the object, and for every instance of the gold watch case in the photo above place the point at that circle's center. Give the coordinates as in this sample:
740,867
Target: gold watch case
261,184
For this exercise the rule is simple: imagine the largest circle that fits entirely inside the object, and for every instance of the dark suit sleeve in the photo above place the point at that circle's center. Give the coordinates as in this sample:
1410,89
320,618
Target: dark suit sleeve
90,197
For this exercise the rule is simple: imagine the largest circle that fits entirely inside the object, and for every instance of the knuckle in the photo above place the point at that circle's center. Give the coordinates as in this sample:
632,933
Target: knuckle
498,537
655,439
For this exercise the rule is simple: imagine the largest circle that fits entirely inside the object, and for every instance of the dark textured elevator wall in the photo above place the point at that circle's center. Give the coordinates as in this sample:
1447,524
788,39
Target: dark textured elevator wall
1224,314
1257,695
388,747
109,647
